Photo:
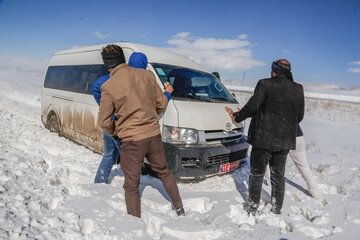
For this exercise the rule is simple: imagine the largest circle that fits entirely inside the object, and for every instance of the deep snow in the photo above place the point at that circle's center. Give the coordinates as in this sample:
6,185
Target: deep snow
47,190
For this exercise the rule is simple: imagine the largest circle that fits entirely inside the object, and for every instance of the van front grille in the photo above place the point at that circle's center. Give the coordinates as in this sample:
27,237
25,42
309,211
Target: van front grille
226,158
220,136
191,162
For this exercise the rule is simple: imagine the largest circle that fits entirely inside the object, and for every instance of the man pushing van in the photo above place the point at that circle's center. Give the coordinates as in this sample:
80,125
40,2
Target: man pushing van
133,96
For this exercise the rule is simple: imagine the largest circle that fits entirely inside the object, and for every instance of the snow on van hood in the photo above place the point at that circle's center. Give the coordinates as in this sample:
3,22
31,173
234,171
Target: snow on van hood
205,115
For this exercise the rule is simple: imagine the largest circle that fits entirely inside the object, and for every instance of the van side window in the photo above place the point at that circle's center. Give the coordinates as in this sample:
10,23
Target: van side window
96,71
67,78
77,78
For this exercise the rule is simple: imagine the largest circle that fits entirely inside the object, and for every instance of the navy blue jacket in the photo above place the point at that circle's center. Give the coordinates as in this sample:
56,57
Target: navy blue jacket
138,60
96,87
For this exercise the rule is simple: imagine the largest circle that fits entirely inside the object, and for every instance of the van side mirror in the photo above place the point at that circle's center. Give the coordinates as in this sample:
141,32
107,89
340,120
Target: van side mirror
233,94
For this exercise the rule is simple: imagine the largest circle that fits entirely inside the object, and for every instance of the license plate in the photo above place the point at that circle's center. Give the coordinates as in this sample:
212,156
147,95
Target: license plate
229,166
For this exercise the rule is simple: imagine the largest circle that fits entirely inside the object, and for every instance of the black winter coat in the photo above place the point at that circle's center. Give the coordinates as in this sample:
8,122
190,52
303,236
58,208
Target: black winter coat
276,108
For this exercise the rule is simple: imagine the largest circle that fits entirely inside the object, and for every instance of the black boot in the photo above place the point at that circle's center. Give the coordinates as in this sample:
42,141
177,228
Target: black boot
180,212
250,208
275,210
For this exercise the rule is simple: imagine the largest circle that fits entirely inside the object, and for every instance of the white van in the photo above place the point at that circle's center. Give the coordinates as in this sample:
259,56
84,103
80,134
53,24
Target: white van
199,138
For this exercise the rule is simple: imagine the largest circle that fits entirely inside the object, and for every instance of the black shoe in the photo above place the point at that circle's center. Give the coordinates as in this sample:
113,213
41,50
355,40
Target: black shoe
180,212
275,210
147,170
250,208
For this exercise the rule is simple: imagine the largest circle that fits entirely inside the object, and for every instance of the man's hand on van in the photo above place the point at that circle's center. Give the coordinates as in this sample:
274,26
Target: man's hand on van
231,113
168,87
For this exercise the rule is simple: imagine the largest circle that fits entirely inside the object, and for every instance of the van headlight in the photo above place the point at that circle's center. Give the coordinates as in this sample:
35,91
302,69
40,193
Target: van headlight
179,135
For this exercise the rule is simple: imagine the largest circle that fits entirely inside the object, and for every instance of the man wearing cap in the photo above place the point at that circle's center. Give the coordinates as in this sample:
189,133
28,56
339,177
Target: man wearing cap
133,96
276,108
112,144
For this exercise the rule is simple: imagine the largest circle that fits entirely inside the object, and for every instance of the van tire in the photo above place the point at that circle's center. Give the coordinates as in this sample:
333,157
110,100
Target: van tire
53,124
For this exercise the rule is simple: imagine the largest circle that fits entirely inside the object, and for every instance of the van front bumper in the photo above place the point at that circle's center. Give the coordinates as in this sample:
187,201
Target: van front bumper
195,163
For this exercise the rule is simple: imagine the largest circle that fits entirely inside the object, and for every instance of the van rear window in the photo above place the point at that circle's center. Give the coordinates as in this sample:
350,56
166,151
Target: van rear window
75,78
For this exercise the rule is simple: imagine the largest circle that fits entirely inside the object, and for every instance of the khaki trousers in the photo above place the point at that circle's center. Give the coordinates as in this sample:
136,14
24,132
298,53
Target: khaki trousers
299,157
132,157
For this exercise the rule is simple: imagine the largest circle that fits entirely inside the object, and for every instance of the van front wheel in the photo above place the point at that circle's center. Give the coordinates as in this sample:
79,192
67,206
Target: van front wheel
53,124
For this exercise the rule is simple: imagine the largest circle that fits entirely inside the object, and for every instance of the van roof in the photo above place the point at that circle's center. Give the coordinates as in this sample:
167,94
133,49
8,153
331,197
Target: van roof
153,54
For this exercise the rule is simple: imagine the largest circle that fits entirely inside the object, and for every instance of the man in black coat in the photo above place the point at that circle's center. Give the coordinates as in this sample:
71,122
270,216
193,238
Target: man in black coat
276,108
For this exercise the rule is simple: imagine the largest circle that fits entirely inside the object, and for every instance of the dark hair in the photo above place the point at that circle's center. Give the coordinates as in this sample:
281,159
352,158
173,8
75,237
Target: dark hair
112,56
217,75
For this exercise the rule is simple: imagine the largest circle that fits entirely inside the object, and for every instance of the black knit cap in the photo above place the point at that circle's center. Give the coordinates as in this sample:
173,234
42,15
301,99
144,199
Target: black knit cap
112,56
279,67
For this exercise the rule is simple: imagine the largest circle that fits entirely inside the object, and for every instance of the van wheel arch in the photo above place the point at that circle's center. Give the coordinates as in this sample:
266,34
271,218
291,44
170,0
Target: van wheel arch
53,123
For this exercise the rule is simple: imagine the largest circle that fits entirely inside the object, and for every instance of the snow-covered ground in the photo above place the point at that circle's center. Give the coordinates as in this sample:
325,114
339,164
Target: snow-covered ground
47,190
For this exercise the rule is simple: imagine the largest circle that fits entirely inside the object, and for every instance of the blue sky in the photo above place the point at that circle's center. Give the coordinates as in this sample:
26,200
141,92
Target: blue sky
319,37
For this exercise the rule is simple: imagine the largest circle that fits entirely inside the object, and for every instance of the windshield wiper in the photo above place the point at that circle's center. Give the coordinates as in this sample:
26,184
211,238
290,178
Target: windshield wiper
221,99
191,96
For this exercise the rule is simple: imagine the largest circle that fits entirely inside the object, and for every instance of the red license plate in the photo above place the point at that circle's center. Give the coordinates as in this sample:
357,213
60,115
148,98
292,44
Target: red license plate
229,166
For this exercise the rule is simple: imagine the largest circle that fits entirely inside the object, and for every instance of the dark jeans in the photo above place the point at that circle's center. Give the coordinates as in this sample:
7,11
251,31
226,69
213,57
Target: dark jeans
276,159
132,158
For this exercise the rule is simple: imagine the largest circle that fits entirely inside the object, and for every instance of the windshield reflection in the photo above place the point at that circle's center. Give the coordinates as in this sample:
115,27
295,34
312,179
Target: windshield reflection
193,85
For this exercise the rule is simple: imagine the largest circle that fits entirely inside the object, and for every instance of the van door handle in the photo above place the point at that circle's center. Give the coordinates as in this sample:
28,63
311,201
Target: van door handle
62,98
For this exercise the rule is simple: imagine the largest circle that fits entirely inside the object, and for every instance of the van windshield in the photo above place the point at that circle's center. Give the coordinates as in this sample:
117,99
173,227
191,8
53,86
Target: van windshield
193,85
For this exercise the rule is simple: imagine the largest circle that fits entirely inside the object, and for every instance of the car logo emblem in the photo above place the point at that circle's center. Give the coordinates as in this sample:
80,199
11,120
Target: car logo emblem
228,126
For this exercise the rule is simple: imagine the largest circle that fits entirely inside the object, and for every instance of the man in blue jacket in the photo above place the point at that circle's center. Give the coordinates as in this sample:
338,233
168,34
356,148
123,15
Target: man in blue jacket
112,143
